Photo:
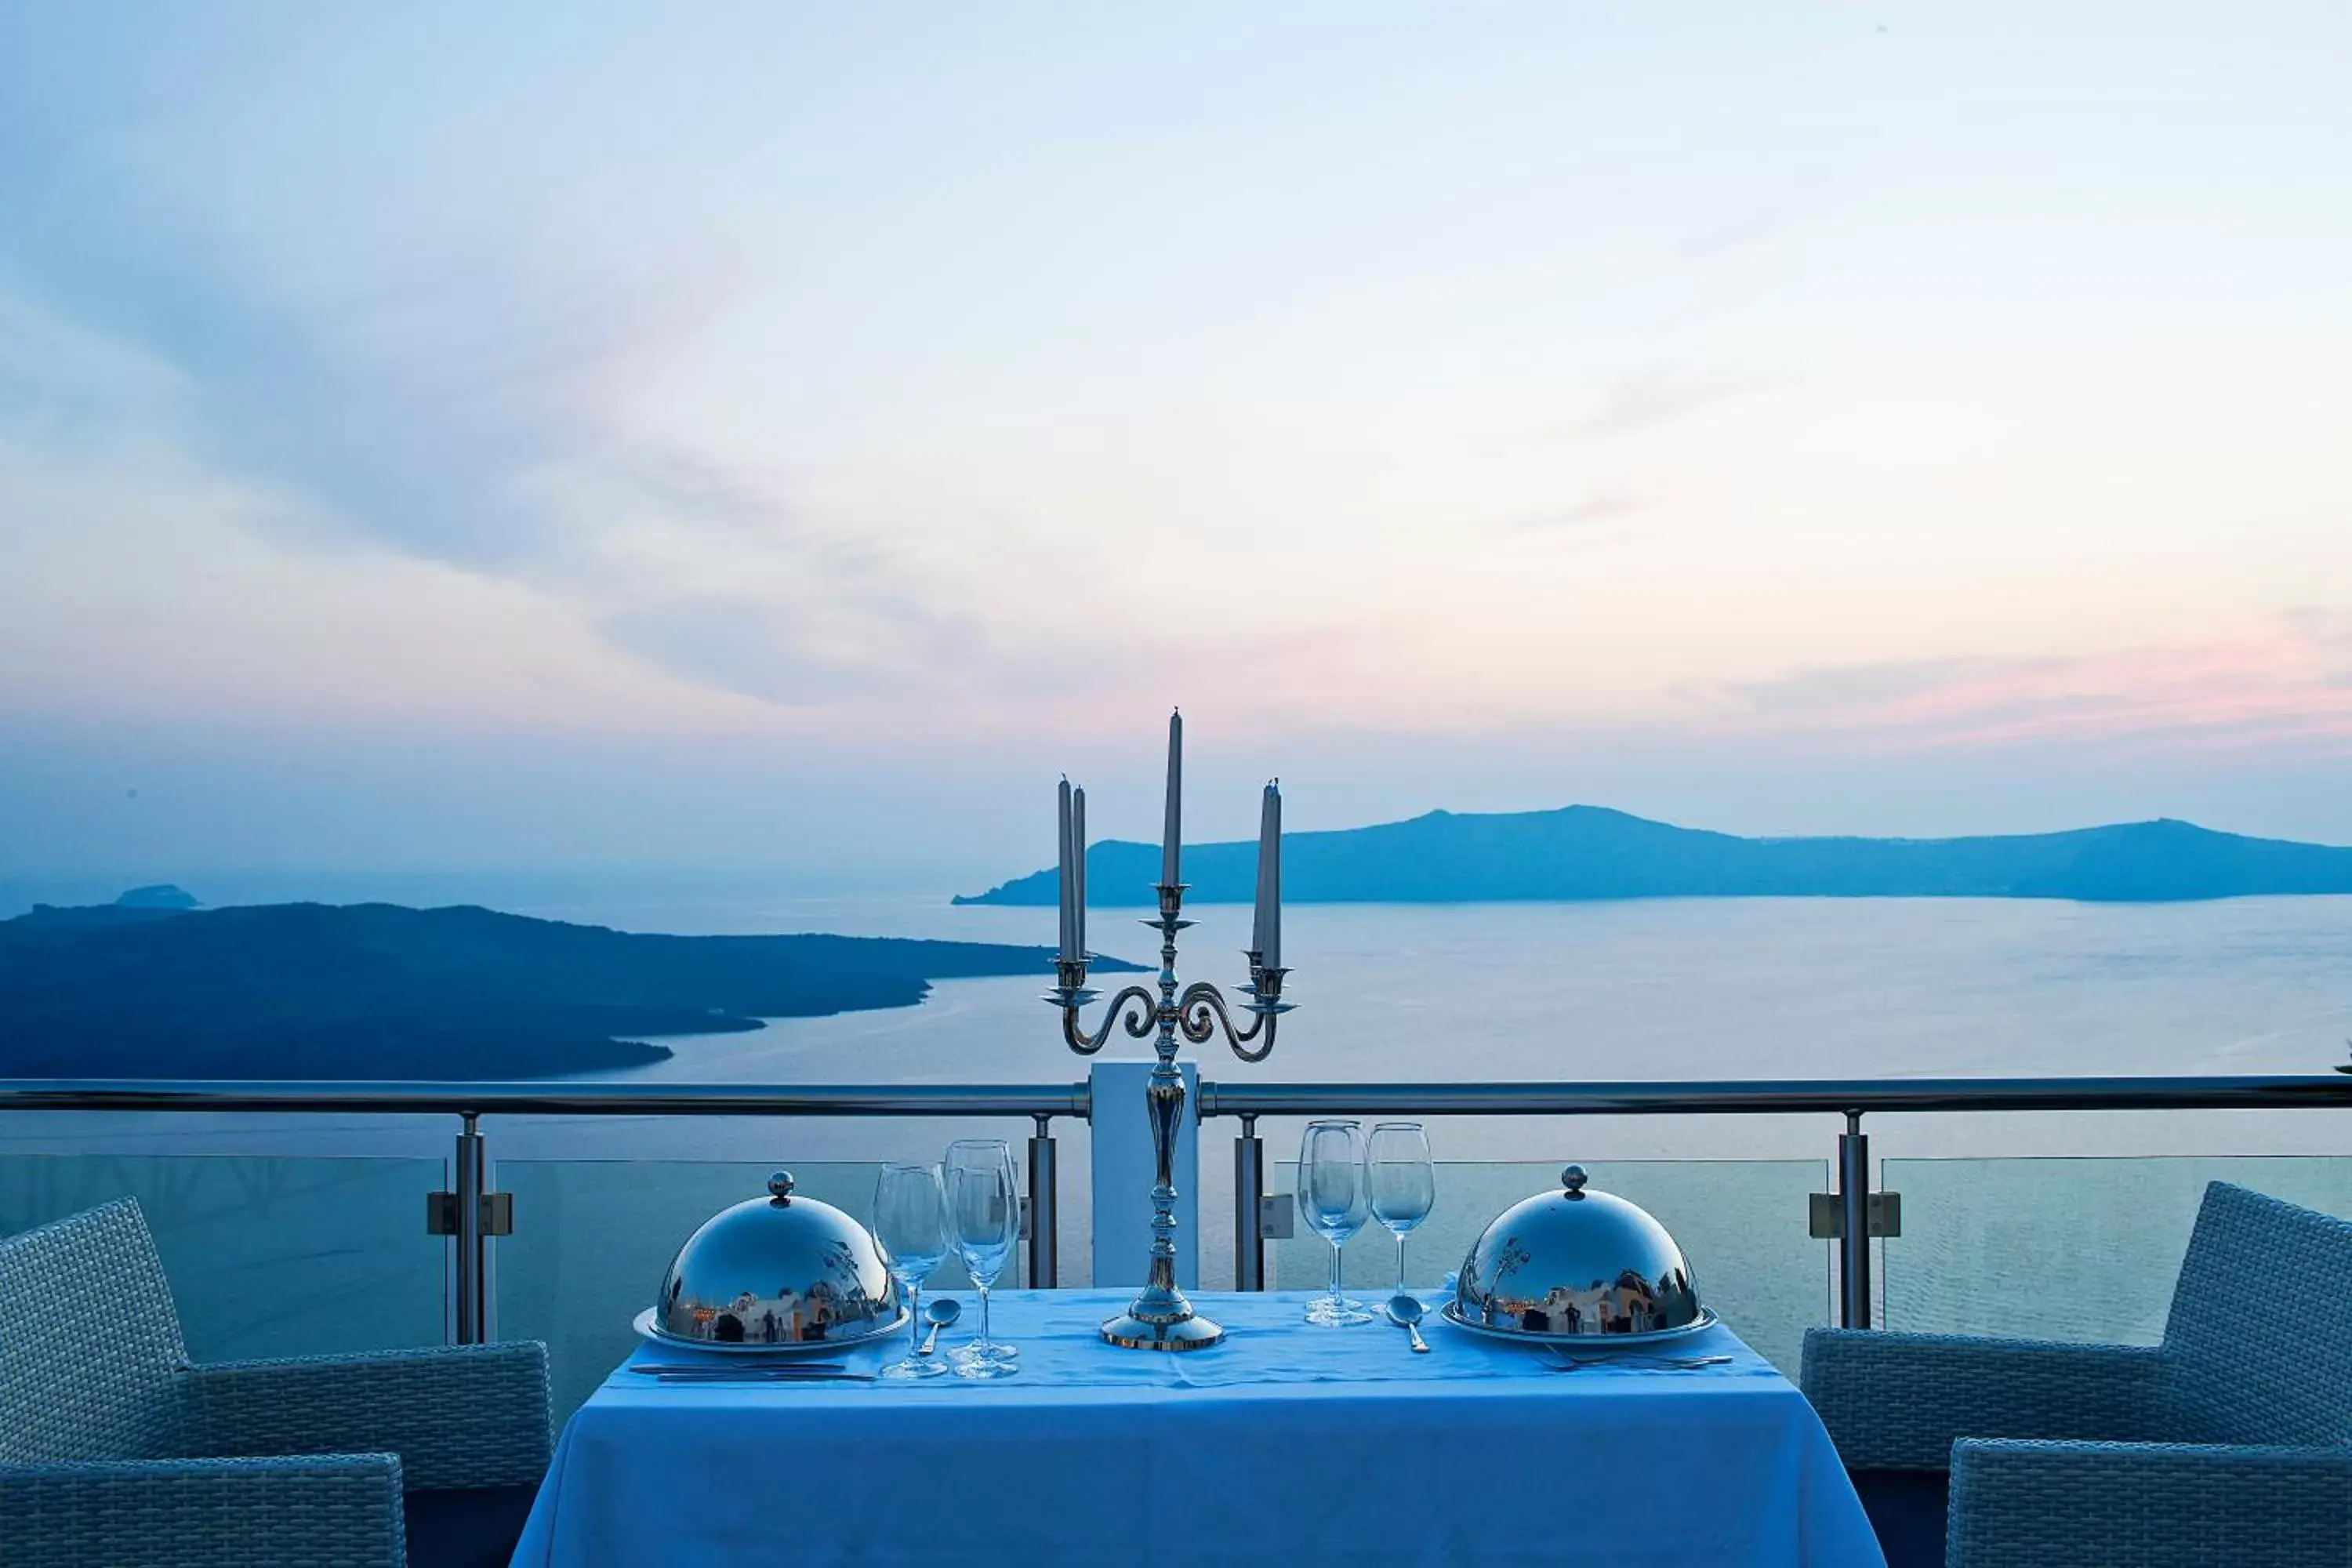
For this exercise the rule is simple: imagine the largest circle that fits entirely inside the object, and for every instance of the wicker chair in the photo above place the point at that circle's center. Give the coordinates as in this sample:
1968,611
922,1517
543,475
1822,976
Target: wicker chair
114,1450
2231,1443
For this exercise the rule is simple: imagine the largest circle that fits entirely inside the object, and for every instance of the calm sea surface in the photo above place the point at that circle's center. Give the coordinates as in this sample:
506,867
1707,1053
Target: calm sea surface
1675,988
1694,989
1698,989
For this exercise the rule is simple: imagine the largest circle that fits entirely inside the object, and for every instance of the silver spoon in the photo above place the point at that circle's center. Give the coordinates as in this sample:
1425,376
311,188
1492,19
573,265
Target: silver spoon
938,1311
1404,1312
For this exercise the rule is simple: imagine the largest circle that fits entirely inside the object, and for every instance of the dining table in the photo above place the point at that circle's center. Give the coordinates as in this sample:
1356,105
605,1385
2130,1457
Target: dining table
1286,1443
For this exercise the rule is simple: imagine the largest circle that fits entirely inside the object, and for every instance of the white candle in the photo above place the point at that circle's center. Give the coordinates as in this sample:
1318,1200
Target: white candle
1078,861
1171,836
1272,950
1267,836
1069,948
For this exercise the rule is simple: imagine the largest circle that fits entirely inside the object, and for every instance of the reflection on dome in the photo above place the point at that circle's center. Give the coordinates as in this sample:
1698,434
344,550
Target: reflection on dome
785,1270
1577,1262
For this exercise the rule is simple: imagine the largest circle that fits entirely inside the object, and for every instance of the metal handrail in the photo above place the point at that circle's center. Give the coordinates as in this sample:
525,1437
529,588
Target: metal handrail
546,1100
1782,1097
1689,1097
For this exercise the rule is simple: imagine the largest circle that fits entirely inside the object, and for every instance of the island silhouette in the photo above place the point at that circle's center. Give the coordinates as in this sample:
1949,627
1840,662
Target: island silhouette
1584,852
148,988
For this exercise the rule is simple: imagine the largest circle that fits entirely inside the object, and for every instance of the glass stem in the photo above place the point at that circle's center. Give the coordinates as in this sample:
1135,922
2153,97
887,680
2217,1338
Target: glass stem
1335,1271
985,1342
914,1322
1399,1289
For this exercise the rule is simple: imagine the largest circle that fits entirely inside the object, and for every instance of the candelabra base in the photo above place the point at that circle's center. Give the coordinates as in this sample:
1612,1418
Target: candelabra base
1190,1332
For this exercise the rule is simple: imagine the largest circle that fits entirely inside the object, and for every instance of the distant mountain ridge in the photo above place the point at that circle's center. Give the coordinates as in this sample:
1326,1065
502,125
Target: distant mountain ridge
1588,852
157,896
380,991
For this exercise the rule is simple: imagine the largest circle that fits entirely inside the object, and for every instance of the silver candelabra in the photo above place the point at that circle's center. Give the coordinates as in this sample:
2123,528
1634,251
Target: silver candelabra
1159,1318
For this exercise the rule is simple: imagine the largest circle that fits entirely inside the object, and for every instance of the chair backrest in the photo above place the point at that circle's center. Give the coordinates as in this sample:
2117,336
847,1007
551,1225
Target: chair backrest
88,1340
2259,1342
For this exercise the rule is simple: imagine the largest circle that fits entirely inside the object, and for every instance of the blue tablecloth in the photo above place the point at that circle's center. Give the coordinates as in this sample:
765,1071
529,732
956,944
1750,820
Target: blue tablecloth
1284,1444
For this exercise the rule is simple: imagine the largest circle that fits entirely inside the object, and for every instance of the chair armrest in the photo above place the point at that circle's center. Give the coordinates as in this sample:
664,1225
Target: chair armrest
198,1514
2149,1505
468,1416
1896,1402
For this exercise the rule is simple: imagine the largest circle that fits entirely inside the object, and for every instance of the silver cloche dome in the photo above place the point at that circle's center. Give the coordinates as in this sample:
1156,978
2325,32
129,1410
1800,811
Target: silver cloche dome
1576,1264
778,1271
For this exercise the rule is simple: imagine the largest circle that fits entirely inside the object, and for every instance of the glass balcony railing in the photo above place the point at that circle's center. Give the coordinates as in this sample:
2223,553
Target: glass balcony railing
273,1255
267,1256
2065,1249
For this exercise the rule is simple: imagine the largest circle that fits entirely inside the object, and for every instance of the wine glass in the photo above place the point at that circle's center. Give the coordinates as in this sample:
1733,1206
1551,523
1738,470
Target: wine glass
910,1221
984,1221
1403,1183
1334,1201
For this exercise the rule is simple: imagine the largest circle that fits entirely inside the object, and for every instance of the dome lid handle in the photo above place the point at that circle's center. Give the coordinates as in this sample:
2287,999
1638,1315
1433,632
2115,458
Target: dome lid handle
780,1188
1572,1180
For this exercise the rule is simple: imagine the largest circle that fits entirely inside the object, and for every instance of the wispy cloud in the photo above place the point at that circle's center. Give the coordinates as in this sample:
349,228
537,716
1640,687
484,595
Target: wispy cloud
1734,233
1599,508
1656,394
480,425
2330,631
2280,681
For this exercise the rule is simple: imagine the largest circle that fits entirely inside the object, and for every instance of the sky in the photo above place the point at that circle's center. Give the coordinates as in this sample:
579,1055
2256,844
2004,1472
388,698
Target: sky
789,437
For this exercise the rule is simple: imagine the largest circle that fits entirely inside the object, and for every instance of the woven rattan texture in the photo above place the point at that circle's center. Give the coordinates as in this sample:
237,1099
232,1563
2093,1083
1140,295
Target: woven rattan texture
340,1512
2258,1349
2139,1505
463,1417
1896,1402
263,1463
89,1341
2230,1443
2259,1342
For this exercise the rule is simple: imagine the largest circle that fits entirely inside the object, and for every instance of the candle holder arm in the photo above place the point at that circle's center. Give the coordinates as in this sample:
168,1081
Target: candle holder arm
1202,1013
1139,1019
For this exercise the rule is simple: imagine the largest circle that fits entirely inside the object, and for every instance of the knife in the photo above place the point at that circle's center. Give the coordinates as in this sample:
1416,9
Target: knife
656,1368
765,1376
1638,1364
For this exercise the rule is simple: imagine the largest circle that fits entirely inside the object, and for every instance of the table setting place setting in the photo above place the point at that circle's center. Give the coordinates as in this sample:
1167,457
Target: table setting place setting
785,1325
672,1458
791,1290
779,1289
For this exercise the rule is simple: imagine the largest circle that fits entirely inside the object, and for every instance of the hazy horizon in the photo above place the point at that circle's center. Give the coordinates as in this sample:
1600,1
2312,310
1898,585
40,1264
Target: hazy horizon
545,890
742,441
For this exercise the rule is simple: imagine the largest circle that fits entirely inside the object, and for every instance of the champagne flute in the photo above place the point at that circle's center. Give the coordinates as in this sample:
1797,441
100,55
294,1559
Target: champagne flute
1403,1183
910,1221
985,1220
1334,1201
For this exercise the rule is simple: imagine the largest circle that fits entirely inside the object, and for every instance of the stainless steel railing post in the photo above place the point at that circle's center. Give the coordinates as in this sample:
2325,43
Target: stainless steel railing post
1045,1216
1249,1209
473,1248
1854,1214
